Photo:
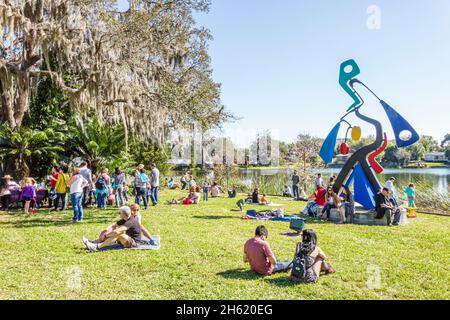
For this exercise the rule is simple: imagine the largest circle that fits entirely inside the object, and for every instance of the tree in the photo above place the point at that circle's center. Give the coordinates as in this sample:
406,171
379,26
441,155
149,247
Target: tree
25,146
147,69
446,140
96,144
306,150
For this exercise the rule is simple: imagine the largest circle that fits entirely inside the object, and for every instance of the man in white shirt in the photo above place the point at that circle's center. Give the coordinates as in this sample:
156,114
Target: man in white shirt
392,191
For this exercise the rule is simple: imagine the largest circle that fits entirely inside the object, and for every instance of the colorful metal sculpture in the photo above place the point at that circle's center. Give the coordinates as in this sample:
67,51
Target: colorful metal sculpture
361,168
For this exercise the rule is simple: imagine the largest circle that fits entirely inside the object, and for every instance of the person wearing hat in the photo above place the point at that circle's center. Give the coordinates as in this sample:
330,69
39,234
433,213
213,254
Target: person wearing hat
6,184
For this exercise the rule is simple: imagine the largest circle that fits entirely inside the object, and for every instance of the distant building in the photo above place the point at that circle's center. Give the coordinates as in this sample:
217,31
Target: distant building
435,157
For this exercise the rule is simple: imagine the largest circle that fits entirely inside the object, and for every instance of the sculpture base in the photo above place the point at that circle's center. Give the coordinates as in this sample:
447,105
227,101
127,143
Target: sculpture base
366,217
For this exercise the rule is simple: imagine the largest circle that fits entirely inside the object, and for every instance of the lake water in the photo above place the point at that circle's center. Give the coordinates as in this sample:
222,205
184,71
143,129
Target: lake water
439,178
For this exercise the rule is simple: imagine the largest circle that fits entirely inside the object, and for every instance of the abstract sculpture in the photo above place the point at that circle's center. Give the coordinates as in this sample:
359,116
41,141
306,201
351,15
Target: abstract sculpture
361,168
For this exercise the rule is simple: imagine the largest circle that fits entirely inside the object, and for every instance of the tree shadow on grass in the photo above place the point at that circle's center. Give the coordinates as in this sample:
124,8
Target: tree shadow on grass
214,217
244,274
35,221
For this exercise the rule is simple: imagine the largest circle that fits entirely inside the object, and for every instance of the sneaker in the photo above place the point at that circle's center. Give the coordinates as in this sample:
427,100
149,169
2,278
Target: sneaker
92,247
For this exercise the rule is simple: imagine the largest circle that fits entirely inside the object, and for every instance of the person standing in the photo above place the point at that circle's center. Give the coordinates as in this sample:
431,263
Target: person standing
86,173
295,184
61,188
319,181
53,178
206,187
154,184
392,191
77,184
118,181
140,185
183,182
102,190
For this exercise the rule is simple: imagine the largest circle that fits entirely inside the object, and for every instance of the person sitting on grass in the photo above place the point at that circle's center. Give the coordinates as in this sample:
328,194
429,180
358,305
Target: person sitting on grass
232,192
264,200
259,255
215,190
136,213
410,192
192,198
287,192
126,232
314,259
255,196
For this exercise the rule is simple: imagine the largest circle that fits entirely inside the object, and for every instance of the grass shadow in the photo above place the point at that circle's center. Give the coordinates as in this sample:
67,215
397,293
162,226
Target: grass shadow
214,217
284,282
244,274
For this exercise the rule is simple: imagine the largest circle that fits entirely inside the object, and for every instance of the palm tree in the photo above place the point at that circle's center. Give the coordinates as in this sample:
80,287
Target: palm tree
22,146
96,144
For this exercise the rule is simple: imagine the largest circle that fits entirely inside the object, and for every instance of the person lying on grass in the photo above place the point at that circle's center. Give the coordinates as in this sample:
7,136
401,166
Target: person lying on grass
126,232
192,198
259,255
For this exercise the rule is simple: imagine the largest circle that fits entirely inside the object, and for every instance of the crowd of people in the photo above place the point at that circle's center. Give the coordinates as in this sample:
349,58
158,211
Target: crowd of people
82,188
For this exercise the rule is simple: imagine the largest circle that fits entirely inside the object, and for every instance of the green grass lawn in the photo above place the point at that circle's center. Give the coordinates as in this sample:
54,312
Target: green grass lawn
43,257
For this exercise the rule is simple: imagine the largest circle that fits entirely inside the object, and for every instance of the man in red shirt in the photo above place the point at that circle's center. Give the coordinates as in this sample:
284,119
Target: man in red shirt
259,255
53,179
318,199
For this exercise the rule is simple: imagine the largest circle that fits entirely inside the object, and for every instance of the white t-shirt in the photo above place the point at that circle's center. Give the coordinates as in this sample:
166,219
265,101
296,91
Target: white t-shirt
77,185
155,178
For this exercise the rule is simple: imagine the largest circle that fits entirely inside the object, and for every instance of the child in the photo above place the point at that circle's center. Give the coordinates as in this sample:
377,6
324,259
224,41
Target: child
264,200
29,194
410,191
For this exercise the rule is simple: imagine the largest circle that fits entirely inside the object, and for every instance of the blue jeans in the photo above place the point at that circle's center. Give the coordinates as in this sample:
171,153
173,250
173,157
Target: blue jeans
282,266
295,191
101,200
154,195
328,208
119,196
141,192
205,194
77,204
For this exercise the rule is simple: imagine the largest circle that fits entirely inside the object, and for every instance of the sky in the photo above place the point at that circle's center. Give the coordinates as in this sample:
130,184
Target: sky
278,63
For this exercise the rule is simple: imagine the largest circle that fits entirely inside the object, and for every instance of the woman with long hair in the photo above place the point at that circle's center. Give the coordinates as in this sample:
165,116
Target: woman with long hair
314,259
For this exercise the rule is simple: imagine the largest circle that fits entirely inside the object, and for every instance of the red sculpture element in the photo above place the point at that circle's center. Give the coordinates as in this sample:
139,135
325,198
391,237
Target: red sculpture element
373,163
345,148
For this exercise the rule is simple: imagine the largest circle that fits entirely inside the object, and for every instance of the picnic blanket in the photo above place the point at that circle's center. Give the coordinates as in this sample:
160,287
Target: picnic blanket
156,246
251,215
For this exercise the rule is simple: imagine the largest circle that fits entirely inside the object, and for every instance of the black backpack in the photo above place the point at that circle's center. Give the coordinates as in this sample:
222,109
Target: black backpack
101,182
302,270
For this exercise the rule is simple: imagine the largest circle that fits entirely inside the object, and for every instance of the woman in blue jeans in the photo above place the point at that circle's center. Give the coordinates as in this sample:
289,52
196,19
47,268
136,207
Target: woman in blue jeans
76,183
332,202
118,181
